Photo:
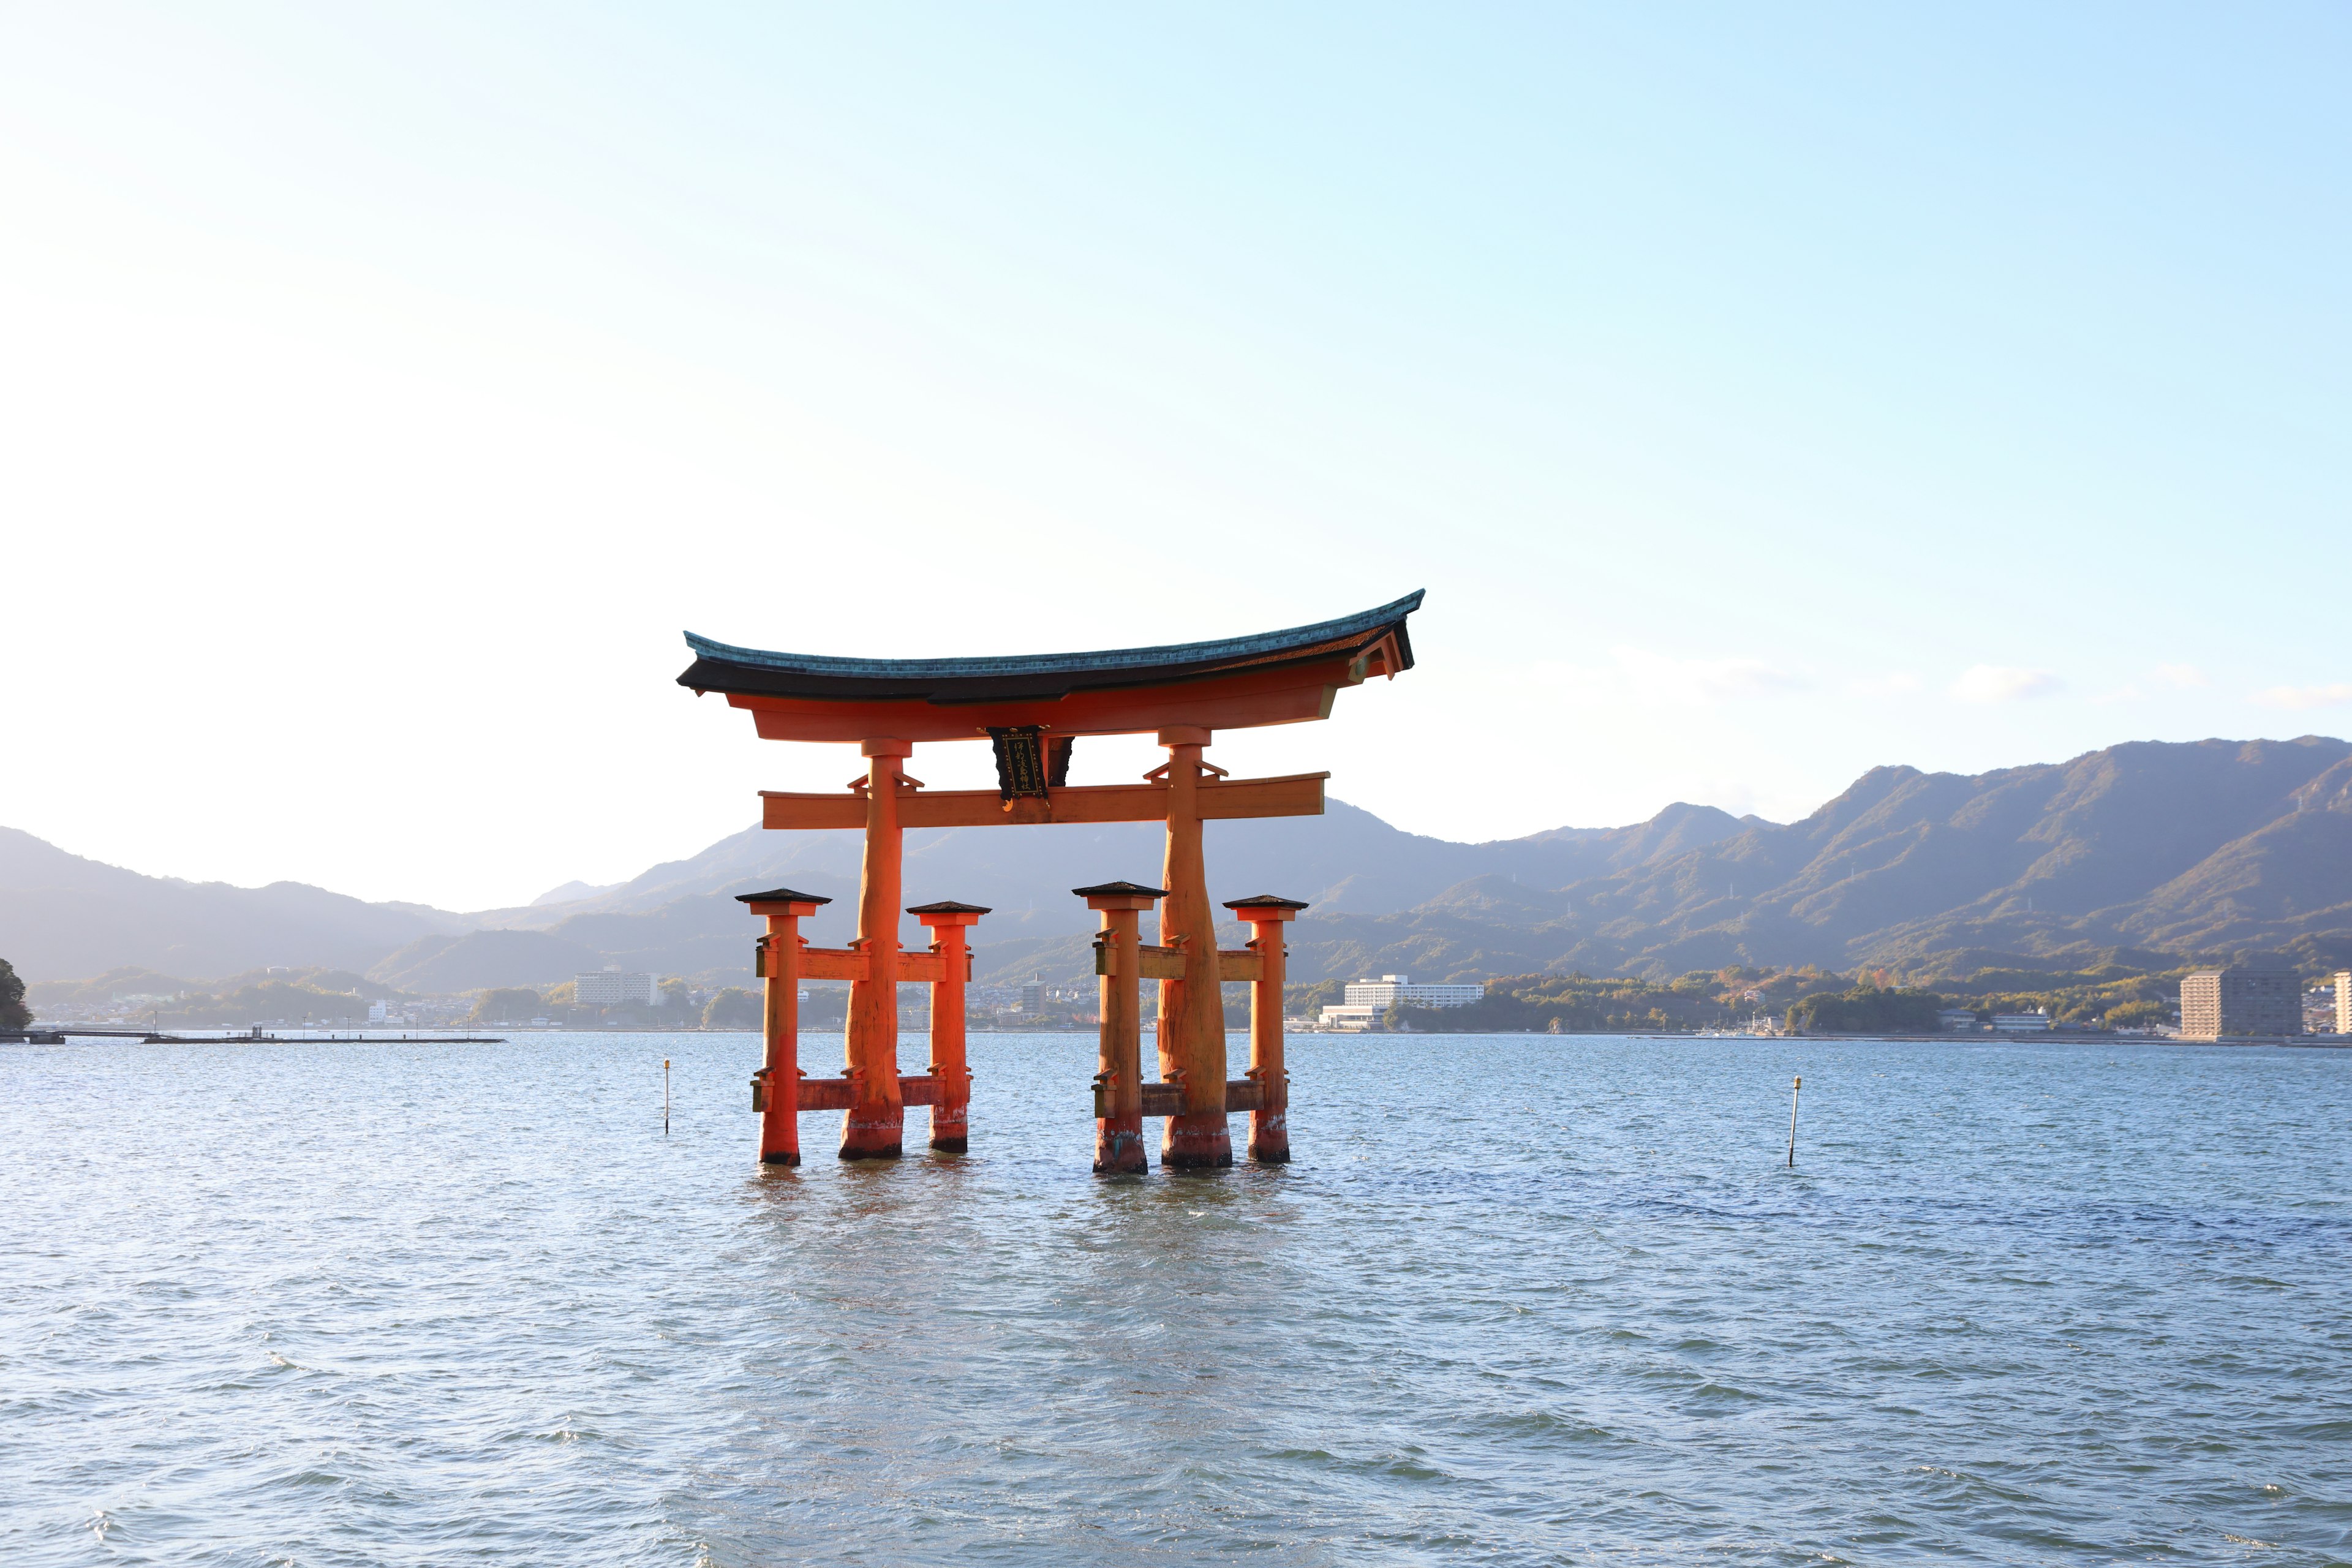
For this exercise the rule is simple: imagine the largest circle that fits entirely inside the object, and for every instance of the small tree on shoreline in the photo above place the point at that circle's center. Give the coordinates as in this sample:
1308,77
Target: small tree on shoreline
13,1012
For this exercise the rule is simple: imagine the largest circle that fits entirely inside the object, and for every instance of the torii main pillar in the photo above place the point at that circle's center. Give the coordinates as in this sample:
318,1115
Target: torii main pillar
874,1127
1192,1009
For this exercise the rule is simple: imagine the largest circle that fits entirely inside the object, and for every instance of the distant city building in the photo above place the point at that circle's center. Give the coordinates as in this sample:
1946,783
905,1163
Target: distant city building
610,987
2344,1001
1366,1002
376,1011
2319,1010
1032,998
2244,999
2034,1023
1956,1019
1391,989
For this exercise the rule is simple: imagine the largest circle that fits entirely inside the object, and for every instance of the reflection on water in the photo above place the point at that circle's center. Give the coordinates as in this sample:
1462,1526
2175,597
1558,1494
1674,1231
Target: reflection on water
1521,1299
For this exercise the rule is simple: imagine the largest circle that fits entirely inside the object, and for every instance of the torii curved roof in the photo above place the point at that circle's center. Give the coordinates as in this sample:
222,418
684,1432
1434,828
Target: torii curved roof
756,672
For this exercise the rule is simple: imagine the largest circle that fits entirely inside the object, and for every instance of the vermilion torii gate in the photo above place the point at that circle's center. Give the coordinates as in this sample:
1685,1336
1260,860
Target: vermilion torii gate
1032,708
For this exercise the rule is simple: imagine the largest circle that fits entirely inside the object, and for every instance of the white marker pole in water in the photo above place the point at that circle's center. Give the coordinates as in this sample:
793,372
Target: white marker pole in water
666,1098
1793,1119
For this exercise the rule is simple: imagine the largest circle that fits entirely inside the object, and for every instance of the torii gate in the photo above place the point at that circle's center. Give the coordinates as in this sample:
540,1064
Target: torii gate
1032,708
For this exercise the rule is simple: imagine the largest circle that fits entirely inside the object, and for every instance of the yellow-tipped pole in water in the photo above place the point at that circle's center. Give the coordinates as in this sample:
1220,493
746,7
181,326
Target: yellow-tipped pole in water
1793,1119
665,1097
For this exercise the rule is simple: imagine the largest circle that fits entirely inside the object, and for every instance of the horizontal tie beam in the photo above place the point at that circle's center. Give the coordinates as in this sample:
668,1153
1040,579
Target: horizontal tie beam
1168,1099
841,1094
1152,963
851,964
1293,795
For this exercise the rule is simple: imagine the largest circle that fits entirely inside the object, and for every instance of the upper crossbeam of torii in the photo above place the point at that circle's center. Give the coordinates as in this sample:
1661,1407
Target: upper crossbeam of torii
1032,708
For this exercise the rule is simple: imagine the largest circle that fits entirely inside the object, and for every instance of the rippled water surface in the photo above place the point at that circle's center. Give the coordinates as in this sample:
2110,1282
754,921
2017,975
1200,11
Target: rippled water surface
1522,1300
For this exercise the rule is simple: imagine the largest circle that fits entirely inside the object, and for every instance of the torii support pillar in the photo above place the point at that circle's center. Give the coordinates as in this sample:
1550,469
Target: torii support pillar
779,1081
951,1113
1192,1008
871,1127
1269,1142
1118,1133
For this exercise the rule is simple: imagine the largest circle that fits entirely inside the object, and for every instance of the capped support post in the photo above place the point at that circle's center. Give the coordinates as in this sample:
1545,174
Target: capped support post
777,1088
1118,1135
1269,1142
950,923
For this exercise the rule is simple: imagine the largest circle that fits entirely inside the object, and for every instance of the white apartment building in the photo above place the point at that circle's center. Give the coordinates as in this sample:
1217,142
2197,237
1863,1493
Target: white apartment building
1365,1001
609,986
1391,989
2034,1023
1957,1019
2344,1001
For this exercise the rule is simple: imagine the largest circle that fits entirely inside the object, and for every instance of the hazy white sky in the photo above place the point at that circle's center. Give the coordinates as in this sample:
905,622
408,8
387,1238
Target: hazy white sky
1761,394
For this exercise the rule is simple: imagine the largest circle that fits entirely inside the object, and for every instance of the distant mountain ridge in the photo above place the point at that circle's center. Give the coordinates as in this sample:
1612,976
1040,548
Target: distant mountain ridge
64,917
2139,853
2142,851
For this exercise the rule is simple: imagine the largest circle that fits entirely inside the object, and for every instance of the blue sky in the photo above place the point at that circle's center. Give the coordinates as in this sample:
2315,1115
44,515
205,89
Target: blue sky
1761,395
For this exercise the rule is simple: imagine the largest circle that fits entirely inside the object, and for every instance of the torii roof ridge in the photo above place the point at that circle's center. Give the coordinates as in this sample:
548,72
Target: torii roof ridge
723,667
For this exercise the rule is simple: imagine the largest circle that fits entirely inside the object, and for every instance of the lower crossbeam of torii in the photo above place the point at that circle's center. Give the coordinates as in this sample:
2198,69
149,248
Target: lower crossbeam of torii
1032,709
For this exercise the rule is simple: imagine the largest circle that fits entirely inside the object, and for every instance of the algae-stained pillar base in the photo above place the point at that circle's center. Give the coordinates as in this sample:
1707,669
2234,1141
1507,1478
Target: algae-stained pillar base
950,924
1118,1133
872,1128
1269,1142
1192,1009
779,1080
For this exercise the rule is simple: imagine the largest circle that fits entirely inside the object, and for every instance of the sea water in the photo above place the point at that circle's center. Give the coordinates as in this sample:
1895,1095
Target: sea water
1521,1299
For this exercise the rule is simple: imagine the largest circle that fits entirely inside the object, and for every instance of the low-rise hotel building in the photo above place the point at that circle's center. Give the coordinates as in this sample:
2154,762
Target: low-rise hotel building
1366,1002
609,987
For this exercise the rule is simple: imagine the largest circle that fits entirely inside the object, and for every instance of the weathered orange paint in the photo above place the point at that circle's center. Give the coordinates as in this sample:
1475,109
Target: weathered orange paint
872,1128
1118,1128
780,1122
951,1112
1192,1009
1269,1142
841,1094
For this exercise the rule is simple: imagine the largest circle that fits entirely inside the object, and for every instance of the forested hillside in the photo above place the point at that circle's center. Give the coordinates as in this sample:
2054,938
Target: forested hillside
2137,856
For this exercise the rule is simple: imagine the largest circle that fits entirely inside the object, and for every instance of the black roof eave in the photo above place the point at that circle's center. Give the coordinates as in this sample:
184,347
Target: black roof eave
1038,677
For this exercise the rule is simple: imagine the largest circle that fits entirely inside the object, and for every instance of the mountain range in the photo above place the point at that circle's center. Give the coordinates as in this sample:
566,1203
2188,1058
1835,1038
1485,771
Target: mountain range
2139,854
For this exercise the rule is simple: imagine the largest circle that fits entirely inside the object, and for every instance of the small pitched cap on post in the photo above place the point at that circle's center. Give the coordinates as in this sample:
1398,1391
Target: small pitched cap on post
1265,907
779,900
1120,896
948,912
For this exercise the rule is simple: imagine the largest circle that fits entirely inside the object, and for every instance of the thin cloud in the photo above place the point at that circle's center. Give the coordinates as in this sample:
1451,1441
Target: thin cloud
2125,693
1639,675
2182,677
1884,686
1987,683
2300,697
1663,678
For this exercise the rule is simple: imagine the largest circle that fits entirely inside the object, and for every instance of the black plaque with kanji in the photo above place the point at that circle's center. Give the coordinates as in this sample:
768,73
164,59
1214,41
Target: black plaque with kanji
1021,762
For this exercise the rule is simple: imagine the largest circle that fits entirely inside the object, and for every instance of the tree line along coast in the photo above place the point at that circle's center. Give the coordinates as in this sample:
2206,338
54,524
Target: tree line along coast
2113,999
2082,894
